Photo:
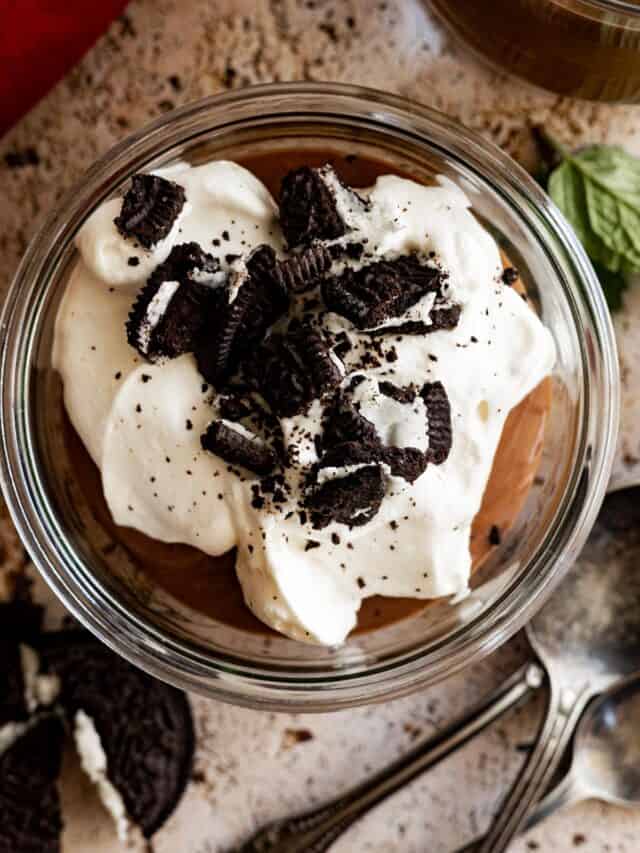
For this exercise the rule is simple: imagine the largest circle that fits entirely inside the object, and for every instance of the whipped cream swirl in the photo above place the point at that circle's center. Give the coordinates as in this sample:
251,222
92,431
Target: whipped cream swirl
142,422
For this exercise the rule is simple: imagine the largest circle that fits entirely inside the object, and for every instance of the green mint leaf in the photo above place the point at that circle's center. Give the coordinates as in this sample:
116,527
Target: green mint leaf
613,284
612,188
567,189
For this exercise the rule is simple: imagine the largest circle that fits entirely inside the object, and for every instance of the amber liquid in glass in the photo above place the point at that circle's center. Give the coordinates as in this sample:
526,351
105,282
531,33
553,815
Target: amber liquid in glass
572,47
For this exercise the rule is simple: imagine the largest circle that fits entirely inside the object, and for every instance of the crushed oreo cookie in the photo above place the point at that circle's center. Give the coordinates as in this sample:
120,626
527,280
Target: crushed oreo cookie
171,311
352,500
308,208
238,449
149,209
438,421
295,368
375,293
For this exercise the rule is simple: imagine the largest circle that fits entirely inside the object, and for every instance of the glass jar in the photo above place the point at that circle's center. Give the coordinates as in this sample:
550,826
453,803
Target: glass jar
581,48
182,646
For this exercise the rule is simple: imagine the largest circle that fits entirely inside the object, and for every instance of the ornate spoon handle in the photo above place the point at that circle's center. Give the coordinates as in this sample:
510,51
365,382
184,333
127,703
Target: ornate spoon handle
315,831
563,713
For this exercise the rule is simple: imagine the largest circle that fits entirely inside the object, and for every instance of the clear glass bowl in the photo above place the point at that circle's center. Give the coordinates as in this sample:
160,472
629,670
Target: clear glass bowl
105,591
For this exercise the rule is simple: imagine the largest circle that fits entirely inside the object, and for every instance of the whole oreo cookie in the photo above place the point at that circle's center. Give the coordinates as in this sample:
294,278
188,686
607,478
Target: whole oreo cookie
438,420
30,819
145,726
172,309
236,448
149,209
375,293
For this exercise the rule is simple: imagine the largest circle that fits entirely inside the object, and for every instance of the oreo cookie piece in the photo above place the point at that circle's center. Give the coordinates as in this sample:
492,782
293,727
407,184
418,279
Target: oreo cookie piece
171,311
343,423
438,421
406,462
253,301
308,208
237,448
352,500
144,726
381,290
303,270
444,316
293,369
149,209
13,707
30,819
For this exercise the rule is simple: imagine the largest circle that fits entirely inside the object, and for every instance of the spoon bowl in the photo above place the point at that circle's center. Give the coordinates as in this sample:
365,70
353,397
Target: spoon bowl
606,763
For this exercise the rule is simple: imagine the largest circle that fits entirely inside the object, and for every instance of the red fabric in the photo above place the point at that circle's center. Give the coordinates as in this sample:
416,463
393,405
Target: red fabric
40,40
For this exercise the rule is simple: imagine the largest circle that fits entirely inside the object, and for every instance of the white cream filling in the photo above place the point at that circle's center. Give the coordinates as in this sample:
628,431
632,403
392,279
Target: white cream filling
94,763
497,354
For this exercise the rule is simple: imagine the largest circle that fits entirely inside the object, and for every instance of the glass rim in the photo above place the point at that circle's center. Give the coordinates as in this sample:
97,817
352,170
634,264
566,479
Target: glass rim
144,644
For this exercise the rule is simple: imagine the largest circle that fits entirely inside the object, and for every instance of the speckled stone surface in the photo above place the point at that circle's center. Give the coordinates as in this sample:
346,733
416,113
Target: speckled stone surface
255,766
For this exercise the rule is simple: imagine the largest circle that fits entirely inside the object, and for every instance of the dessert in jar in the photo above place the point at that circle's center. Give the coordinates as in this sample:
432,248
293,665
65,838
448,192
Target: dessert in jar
338,396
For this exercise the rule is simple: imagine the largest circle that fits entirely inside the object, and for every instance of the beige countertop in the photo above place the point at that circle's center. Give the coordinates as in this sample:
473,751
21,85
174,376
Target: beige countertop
254,766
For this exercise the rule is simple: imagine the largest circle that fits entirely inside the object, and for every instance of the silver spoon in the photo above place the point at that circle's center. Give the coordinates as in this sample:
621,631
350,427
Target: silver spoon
587,637
315,831
606,757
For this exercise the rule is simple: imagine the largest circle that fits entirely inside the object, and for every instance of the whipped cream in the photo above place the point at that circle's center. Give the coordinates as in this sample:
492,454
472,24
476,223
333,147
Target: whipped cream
143,423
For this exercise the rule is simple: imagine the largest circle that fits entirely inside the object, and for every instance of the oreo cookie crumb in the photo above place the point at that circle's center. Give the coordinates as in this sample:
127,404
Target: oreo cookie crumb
237,449
133,261
311,544
149,209
509,276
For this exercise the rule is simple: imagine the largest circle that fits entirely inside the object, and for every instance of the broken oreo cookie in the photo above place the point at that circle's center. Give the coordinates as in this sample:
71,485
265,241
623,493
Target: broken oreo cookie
308,206
172,309
352,500
145,726
30,818
149,209
304,270
293,369
236,448
380,291
252,301
438,421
